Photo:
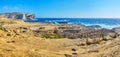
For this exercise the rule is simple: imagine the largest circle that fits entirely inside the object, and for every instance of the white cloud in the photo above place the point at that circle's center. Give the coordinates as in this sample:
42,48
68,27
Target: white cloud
16,8
5,8
10,8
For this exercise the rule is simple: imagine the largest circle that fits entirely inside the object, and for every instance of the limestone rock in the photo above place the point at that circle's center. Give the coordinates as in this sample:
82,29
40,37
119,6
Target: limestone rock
18,15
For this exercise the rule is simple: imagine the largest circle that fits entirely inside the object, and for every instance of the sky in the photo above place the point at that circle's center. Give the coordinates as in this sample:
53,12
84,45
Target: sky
64,8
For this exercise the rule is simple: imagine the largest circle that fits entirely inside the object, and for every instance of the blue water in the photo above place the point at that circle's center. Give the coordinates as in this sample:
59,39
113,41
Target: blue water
104,22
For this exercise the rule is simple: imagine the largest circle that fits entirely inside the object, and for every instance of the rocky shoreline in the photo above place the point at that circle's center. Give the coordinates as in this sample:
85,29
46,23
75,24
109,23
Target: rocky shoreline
25,39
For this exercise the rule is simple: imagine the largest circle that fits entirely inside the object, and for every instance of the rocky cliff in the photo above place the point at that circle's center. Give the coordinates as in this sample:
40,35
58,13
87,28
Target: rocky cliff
18,15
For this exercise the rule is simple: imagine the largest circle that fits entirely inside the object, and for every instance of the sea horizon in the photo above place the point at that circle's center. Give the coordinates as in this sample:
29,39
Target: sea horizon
108,23
81,17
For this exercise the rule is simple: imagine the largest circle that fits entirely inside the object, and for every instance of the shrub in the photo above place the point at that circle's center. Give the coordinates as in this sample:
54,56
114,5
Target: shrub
52,36
3,29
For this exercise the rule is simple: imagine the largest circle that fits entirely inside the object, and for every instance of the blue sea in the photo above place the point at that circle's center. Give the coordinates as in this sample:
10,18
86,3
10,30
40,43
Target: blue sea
108,23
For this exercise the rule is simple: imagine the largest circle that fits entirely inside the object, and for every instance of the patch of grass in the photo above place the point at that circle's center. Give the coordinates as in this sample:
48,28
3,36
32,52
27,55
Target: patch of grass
52,36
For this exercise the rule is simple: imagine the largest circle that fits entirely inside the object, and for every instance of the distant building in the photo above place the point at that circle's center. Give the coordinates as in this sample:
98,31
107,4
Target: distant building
18,15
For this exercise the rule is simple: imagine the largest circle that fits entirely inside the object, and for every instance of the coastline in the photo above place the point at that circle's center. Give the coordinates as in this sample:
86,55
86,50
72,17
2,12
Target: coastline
25,39
107,23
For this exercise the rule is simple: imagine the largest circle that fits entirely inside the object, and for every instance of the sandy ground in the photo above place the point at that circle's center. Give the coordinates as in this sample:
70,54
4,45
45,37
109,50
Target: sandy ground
37,47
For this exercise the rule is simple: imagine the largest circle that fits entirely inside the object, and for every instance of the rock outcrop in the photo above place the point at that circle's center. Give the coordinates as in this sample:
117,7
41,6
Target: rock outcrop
75,31
18,15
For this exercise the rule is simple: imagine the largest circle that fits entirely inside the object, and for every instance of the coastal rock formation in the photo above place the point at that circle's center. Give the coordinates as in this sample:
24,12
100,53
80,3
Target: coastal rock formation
93,27
18,15
117,30
81,31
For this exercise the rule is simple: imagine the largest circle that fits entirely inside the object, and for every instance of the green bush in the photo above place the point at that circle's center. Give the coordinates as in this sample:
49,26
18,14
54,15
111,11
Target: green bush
52,36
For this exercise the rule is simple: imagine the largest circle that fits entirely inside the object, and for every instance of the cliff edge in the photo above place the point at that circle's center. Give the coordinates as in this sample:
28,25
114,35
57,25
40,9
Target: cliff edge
18,15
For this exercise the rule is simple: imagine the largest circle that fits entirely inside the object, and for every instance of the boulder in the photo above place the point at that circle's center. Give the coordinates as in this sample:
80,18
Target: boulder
110,36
